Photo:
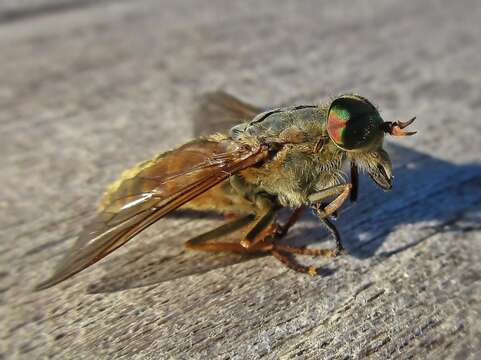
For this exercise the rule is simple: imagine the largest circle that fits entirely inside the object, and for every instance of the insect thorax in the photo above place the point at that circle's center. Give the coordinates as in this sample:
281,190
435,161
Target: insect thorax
297,170
310,119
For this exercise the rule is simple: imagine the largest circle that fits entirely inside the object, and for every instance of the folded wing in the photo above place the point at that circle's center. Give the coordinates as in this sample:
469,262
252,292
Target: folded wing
149,191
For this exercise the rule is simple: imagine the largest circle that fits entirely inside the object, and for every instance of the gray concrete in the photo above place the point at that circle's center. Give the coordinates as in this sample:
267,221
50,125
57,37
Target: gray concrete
89,89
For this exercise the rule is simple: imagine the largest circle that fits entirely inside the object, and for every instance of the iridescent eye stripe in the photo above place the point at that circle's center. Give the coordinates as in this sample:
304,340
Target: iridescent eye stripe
336,124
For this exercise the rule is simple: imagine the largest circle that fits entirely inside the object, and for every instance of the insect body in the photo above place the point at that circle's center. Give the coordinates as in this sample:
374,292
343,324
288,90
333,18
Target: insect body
288,157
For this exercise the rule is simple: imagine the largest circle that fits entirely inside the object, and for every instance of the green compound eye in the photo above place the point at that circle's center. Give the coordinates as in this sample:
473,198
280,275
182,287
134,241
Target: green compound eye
353,123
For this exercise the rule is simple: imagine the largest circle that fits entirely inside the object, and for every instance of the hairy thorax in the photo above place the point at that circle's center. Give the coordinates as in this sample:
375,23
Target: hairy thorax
295,174
308,161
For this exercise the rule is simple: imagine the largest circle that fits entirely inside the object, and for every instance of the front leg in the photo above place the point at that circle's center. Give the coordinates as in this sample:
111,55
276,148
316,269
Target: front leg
354,182
323,212
342,192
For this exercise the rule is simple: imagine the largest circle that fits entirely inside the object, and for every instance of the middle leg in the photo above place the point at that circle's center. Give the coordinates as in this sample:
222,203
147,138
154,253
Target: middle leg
284,253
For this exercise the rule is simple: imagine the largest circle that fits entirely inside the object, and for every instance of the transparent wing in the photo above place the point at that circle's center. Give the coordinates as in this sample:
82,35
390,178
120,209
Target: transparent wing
219,111
149,191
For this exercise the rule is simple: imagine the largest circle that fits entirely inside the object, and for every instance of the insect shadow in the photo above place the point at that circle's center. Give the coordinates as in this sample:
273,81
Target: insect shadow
427,192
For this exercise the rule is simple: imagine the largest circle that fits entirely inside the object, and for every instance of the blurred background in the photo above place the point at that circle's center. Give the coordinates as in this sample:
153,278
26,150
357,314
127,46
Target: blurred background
89,88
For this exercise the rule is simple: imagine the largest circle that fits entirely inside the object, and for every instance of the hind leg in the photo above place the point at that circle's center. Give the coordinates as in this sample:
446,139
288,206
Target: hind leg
266,234
202,243
283,253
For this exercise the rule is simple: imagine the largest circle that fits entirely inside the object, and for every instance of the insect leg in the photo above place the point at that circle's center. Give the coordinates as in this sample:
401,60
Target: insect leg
291,263
265,225
283,229
201,242
274,230
265,209
222,247
342,192
321,213
316,252
283,253
337,237
354,182
324,212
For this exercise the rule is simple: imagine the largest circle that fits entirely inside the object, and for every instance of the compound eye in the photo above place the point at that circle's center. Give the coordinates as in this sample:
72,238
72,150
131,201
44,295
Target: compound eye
353,123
